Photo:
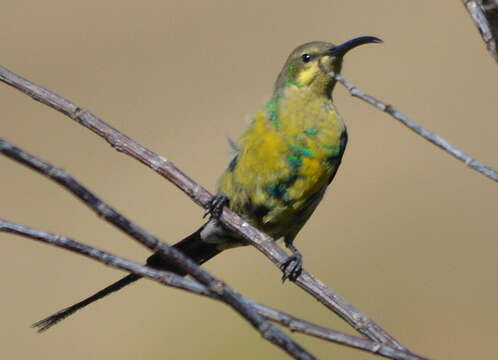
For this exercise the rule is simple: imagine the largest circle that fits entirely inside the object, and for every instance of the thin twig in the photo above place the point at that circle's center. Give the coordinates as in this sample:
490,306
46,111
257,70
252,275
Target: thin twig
484,14
412,125
222,290
201,196
173,280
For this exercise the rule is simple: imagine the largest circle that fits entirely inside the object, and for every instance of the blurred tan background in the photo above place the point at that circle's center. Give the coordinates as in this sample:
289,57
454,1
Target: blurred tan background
406,233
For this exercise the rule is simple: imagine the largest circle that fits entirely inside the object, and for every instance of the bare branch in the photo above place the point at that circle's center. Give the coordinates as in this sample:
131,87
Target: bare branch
201,196
412,125
222,290
484,14
173,280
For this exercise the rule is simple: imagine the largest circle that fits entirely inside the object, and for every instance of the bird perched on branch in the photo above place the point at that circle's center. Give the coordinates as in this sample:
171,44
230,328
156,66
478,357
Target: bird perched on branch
281,168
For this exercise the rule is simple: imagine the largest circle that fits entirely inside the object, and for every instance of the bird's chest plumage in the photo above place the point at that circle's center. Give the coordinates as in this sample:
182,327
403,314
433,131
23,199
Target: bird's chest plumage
285,160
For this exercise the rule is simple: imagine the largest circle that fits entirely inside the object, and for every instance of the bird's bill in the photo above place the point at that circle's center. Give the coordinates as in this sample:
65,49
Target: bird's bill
341,49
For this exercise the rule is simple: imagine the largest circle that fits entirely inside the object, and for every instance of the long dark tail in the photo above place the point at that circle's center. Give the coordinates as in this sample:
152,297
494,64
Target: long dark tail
192,246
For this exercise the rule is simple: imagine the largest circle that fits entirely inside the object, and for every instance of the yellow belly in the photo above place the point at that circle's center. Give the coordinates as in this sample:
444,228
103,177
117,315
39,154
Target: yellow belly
285,163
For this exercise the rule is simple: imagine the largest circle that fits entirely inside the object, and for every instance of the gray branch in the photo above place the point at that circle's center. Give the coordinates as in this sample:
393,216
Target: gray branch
412,125
484,14
173,280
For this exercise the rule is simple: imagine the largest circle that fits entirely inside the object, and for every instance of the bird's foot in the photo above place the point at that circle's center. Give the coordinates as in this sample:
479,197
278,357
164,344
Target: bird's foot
292,266
216,205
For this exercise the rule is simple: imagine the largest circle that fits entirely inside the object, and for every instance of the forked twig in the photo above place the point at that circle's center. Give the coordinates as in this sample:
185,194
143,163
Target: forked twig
173,280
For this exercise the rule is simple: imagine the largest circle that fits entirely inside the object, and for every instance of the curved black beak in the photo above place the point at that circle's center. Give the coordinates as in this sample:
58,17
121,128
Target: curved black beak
340,50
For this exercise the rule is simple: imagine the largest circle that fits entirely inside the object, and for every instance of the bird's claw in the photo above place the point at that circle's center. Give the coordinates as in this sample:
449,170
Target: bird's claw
216,205
292,267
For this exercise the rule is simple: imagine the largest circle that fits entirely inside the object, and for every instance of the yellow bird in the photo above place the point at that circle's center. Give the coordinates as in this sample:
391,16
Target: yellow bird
280,169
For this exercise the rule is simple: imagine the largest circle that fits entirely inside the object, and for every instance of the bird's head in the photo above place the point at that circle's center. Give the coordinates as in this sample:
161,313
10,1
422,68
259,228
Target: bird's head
308,64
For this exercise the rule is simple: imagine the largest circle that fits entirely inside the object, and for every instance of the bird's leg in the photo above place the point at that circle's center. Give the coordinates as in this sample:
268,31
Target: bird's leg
293,265
216,205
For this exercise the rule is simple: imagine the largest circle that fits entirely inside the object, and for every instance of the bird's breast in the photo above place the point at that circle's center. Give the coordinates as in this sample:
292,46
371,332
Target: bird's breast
285,159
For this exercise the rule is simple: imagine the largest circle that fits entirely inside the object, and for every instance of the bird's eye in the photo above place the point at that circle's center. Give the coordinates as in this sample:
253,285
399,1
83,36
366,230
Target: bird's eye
306,57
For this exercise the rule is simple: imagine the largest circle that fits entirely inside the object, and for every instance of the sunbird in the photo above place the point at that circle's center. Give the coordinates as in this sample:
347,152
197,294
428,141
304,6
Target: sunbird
280,168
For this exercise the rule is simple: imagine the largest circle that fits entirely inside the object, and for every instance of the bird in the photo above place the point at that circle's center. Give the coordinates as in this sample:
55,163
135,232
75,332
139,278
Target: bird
280,168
